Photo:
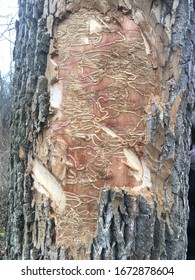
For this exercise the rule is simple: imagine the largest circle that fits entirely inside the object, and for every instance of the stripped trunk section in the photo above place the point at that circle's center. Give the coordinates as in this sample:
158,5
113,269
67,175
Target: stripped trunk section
105,163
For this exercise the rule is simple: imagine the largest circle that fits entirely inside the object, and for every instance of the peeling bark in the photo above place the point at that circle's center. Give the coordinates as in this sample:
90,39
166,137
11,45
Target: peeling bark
101,130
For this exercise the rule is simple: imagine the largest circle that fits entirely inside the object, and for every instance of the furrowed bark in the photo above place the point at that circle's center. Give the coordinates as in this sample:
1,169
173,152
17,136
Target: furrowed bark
101,130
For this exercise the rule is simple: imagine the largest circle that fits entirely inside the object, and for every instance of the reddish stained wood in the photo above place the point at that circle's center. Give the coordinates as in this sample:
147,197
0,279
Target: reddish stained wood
106,79
112,88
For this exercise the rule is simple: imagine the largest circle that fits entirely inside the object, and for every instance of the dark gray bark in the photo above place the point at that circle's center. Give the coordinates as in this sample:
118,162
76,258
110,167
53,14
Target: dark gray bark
146,224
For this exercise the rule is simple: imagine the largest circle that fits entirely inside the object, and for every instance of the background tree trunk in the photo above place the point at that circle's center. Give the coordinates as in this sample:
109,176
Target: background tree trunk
101,130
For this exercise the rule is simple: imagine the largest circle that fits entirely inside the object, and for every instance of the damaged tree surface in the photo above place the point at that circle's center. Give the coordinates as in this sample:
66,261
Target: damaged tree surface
101,130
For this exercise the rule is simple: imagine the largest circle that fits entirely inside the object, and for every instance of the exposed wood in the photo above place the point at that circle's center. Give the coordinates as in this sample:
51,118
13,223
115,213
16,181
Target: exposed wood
101,138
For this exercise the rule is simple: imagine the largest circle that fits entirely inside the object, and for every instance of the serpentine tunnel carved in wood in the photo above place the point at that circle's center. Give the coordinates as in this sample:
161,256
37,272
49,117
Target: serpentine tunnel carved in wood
102,82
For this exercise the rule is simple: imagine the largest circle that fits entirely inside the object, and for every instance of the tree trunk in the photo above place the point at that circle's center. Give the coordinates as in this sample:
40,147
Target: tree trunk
101,130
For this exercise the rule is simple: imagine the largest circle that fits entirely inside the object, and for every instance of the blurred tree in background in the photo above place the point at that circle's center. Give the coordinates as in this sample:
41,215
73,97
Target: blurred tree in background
8,13
5,114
